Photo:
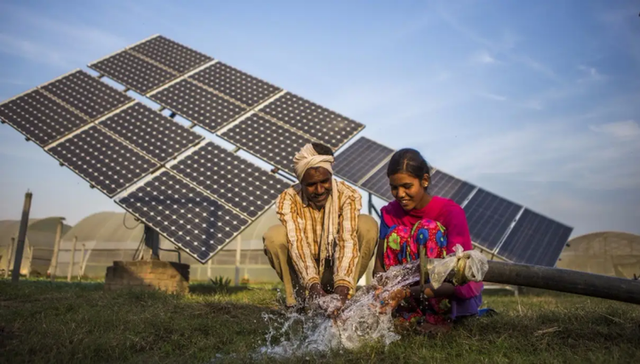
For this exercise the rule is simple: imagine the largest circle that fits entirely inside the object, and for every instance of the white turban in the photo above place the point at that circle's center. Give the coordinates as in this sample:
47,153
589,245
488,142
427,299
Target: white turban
307,158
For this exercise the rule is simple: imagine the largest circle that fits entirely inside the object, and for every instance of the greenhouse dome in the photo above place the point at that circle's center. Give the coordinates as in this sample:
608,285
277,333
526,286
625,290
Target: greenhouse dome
105,237
610,253
40,239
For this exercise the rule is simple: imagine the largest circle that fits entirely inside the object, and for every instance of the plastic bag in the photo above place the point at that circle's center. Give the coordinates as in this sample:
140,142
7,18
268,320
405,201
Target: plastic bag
468,265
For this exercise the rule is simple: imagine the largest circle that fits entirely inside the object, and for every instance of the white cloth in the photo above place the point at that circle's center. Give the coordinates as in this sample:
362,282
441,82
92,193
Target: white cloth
307,158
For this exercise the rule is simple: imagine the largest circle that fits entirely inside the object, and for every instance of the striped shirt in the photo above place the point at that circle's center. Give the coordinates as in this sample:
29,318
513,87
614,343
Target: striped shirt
304,229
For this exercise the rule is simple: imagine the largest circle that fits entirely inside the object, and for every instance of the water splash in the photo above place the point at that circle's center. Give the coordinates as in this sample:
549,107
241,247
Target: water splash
359,322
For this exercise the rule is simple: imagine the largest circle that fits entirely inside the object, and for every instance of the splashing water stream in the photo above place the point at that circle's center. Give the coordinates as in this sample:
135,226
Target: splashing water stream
359,321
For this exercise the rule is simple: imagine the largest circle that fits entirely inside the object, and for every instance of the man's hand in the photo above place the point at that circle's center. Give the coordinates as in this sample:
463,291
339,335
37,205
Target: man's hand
316,291
343,292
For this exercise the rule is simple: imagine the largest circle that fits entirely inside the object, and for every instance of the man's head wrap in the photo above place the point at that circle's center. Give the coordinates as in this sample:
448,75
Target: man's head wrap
307,158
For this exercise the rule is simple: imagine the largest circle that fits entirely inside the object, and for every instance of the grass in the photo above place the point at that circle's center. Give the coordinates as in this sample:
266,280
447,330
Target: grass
44,322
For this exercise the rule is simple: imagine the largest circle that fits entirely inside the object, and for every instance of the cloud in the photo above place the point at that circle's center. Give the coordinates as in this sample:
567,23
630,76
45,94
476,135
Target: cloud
493,96
553,152
32,51
625,130
590,73
483,57
60,44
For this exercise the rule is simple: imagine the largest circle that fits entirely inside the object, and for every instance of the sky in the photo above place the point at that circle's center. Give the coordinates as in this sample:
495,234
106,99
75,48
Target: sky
537,102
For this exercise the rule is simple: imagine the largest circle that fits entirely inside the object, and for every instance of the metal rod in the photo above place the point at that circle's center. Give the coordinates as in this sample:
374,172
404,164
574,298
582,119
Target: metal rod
370,203
56,249
22,235
172,115
72,259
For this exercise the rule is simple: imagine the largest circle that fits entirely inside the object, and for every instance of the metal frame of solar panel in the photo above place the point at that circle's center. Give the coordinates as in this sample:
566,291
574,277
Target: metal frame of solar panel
533,230
355,163
144,67
198,104
183,213
266,139
489,217
311,119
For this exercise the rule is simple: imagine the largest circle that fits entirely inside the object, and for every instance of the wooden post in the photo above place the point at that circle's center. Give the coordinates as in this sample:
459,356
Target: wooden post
22,236
80,270
29,259
56,249
209,268
9,256
72,259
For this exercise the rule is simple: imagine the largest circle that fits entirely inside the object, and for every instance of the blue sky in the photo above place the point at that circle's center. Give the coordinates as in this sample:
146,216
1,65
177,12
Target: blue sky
535,101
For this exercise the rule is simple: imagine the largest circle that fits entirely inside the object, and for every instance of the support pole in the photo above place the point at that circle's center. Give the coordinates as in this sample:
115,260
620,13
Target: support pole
209,268
29,260
22,235
72,258
238,251
152,241
56,249
9,256
81,268
370,203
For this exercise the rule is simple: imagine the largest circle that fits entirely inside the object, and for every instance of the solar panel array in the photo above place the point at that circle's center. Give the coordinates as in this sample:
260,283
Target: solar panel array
534,239
200,195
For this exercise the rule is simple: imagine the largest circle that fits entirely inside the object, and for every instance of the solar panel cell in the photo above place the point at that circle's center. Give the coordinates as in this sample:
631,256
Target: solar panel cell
171,54
40,117
154,134
447,186
185,215
102,160
359,159
489,217
230,178
134,72
87,95
378,184
535,239
198,105
235,84
267,140
314,120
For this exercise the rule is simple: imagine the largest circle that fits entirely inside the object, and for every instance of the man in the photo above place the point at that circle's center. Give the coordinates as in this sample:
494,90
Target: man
323,244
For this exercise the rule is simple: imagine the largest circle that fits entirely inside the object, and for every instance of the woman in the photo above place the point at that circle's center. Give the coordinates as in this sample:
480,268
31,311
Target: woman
417,219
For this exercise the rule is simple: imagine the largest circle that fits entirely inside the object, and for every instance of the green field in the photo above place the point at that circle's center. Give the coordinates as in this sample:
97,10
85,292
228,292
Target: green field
64,322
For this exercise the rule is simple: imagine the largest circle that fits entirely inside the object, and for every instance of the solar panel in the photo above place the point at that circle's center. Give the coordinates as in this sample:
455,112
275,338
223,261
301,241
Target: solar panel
198,104
378,184
104,161
154,134
171,54
134,72
535,239
235,84
184,214
87,95
489,217
231,179
267,140
359,159
40,117
314,120
447,186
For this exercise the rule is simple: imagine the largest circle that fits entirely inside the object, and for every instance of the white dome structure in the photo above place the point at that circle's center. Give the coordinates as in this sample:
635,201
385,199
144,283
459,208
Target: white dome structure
609,253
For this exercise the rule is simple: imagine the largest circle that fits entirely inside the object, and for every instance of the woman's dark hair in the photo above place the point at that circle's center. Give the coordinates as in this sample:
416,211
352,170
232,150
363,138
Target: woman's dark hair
408,161
322,149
